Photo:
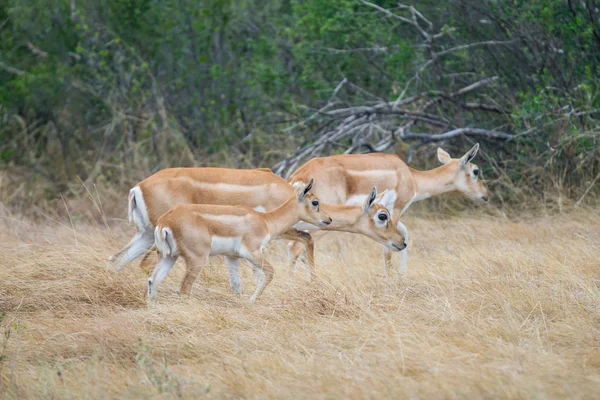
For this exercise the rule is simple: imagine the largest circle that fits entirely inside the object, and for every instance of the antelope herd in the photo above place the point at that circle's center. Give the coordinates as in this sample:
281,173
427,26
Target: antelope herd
198,212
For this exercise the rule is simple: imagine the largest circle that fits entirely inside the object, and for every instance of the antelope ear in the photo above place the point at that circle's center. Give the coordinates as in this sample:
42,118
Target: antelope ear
370,199
469,155
388,199
299,187
443,156
309,187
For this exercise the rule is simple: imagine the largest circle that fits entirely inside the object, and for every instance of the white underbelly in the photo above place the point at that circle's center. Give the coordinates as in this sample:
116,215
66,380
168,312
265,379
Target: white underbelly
230,246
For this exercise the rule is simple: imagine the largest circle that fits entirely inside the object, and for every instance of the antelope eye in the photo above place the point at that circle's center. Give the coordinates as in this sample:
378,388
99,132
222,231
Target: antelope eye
382,217
315,203
476,171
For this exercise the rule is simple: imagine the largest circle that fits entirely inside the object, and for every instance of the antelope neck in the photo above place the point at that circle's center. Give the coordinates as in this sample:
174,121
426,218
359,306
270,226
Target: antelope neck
344,216
433,182
283,217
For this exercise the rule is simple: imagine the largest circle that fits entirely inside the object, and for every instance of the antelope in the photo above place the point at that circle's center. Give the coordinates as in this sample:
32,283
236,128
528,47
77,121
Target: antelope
347,179
372,219
260,189
197,231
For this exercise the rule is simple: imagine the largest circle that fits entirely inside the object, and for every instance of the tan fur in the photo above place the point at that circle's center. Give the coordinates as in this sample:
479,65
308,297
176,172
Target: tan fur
198,228
251,188
341,177
222,186
352,218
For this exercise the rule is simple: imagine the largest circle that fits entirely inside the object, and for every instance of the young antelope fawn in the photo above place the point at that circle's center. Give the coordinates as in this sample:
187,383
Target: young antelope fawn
197,231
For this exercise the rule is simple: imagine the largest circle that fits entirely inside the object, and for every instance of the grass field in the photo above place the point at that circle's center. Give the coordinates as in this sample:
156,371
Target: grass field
489,308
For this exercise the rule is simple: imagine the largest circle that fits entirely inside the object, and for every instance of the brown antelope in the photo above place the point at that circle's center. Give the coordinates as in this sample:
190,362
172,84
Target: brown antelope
197,231
347,179
259,189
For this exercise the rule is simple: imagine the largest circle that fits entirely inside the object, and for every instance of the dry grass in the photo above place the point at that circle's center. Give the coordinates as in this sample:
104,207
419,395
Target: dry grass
489,308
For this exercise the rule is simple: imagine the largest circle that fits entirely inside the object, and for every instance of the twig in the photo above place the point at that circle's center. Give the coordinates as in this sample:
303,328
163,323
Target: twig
36,50
322,109
471,45
12,70
587,190
376,49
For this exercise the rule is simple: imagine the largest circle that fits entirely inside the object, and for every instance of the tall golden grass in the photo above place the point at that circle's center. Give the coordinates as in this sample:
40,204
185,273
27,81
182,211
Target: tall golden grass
489,308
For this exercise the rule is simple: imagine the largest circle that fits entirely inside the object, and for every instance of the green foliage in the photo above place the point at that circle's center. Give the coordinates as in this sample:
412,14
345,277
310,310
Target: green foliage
90,83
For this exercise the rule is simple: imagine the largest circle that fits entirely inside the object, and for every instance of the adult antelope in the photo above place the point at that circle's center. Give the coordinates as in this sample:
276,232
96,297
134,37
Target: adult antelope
259,189
347,179
197,231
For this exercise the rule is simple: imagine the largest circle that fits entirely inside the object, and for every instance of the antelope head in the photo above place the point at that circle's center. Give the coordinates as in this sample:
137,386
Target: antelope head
467,176
376,221
310,208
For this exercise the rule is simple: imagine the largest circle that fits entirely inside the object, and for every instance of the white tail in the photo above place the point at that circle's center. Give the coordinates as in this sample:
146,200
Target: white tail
136,210
165,242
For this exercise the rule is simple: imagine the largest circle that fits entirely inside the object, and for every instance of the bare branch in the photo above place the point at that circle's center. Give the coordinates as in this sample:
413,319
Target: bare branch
322,109
485,107
475,86
377,49
412,21
428,137
471,45
12,70
36,50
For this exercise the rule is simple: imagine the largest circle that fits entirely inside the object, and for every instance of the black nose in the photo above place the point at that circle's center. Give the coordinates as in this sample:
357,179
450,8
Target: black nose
401,247
484,198
328,222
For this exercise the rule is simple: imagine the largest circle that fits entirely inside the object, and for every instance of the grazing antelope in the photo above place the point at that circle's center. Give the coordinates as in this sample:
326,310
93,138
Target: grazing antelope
372,219
196,231
347,179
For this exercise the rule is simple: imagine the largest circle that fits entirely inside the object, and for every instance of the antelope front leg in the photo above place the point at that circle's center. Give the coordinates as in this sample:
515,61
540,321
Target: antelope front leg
260,262
387,262
295,249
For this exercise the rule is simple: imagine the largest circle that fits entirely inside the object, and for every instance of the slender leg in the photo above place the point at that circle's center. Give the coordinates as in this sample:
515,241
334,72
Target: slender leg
140,243
161,270
387,262
146,262
257,274
403,257
259,261
233,269
295,249
194,264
